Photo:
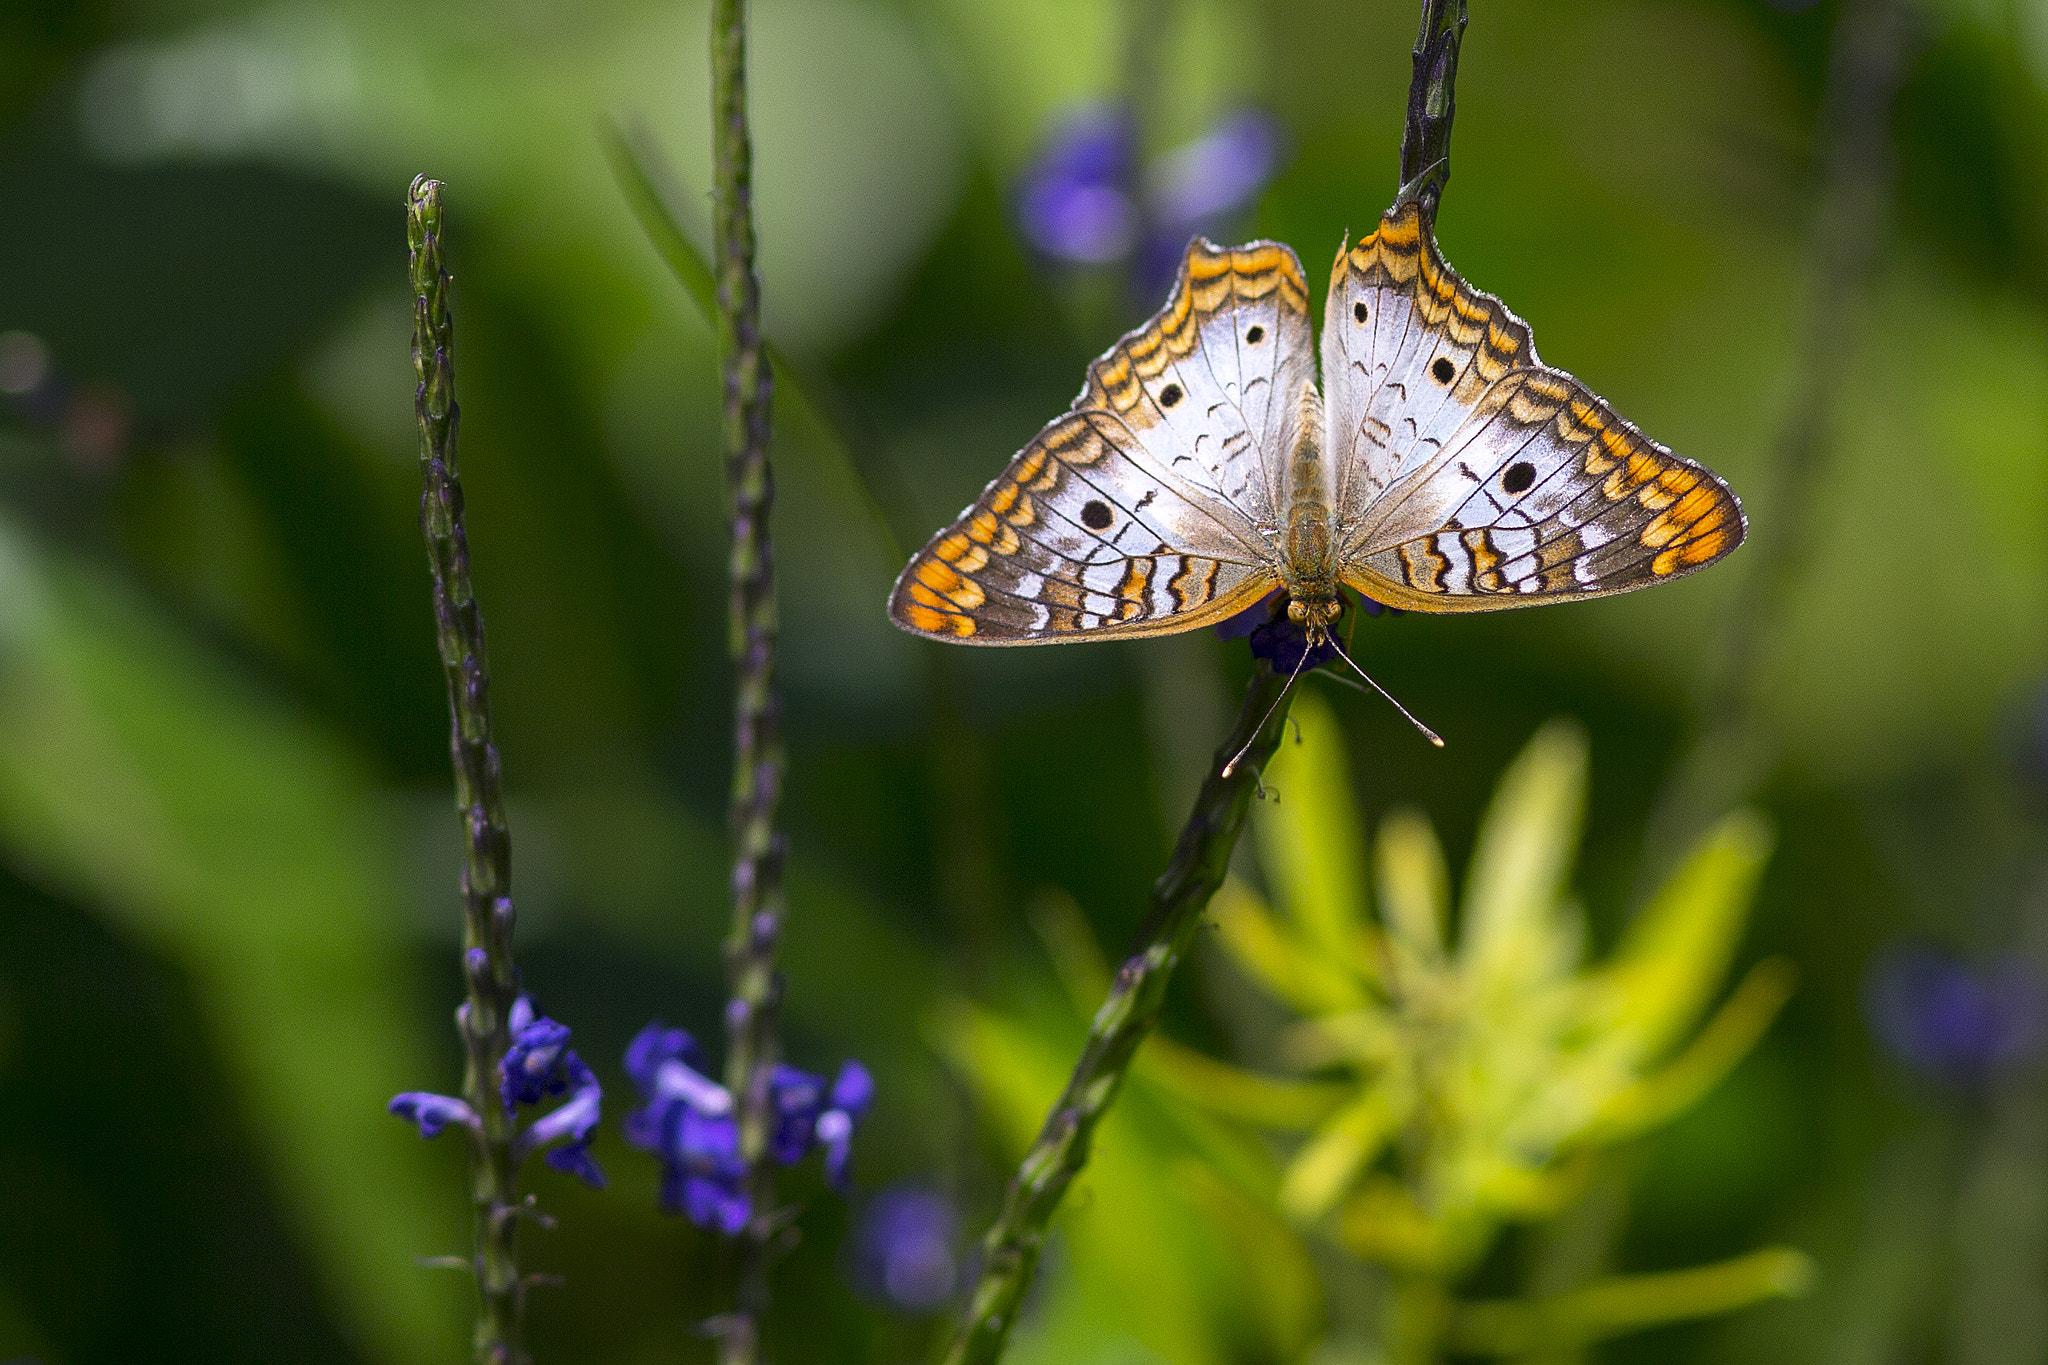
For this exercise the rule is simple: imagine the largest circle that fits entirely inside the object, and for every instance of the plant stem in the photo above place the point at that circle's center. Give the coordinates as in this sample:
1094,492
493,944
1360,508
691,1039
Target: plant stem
1010,1251
1432,104
492,979
757,898
1732,753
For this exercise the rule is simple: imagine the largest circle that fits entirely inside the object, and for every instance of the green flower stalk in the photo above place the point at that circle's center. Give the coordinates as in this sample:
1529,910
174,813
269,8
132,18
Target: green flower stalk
487,871
1011,1250
1734,751
1432,104
513,1056
757,896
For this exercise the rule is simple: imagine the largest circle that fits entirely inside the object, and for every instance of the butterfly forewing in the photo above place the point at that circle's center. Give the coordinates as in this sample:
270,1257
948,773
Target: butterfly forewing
1472,477
1408,348
1145,508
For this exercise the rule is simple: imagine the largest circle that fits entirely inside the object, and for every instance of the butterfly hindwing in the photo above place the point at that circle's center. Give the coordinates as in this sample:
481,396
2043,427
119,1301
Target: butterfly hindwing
1139,511
1545,493
1479,478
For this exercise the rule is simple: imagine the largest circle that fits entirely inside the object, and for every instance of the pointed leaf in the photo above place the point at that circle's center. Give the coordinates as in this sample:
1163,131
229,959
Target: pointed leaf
1330,1163
1525,849
1311,842
1275,1102
1076,957
1275,959
1673,957
1628,1303
1414,893
1726,1040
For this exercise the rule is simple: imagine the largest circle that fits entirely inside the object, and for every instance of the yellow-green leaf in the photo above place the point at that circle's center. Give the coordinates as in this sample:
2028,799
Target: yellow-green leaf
1330,1162
1674,955
1415,893
1525,848
1276,959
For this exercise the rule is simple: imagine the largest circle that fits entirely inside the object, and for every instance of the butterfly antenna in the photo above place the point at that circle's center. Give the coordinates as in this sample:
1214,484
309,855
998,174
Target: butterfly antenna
1238,757
1432,736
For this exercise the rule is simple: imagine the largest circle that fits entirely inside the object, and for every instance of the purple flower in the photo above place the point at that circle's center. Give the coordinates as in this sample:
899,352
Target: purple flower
1283,643
687,1123
853,1090
1081,201
1283,647
798,1098
574,1120
1075,203
1949,1022
905,1249
1216,175
1199,188
537,1064
1252,617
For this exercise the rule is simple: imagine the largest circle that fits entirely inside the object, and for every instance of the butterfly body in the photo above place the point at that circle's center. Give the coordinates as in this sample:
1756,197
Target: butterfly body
1440,467
1308,565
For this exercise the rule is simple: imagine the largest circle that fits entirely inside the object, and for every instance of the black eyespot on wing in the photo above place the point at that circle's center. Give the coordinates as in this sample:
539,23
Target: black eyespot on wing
1169,395
1255,334
1096,516
1358,311
1519,476
1443,370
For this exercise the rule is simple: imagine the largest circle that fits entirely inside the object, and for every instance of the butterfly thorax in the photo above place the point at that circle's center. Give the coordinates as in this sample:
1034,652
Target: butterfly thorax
1308,560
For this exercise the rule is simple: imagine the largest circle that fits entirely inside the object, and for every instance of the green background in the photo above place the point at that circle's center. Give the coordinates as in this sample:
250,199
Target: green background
227,863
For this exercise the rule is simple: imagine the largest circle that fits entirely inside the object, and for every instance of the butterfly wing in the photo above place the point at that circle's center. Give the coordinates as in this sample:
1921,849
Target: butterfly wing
1147,507
1470,476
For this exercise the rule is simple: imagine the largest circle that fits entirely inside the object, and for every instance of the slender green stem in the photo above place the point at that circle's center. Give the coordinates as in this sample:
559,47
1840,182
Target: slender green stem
493,981
1732,753
757,898
1432,104
1010,1251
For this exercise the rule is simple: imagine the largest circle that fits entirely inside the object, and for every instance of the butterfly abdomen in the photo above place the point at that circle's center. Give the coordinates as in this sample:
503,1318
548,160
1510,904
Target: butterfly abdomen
1309,557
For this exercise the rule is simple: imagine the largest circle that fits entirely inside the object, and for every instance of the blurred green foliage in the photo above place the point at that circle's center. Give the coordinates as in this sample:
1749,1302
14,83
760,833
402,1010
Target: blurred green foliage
1448,1090
227,871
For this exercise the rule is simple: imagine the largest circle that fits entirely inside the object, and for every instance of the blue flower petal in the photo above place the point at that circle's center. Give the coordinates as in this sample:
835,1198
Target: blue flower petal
1252,617
853,1090
906,1249
1283,643
1950,1022
1215,176
798,1097
433,1112
575,1119
835,1135
533,1067
1075,203
576,1160
717,1204
654,1045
